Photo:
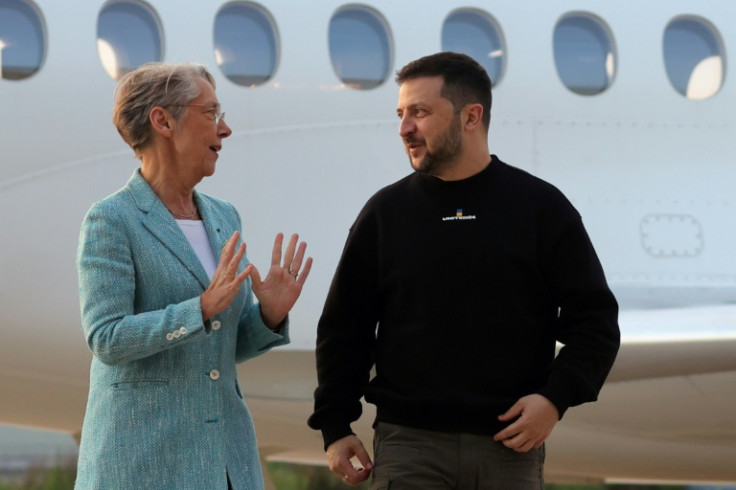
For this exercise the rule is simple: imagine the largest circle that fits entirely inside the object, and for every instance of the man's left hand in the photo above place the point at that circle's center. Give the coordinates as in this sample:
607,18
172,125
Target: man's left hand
537,416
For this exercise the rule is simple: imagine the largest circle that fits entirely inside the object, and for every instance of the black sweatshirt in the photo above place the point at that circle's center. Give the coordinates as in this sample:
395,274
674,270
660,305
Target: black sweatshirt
457,292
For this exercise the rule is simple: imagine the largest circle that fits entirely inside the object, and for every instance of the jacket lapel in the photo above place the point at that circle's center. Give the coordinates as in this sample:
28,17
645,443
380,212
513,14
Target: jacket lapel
218,230
162,225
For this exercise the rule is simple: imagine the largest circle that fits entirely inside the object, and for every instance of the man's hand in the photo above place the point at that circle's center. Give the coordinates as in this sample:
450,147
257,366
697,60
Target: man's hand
537,416
339,455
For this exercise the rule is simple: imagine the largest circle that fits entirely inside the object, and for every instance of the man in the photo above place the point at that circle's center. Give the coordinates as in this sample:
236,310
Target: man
456,282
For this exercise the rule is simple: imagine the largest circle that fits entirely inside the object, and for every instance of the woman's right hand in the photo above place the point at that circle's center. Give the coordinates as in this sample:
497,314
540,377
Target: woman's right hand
225,281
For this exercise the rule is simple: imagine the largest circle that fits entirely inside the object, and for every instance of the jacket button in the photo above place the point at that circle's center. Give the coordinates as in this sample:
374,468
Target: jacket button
183,330
214,375
169,336
216,325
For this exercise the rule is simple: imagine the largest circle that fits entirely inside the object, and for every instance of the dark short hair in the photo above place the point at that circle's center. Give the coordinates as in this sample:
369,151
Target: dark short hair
465,80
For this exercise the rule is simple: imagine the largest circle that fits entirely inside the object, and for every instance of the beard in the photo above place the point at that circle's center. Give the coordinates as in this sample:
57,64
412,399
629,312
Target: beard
448,146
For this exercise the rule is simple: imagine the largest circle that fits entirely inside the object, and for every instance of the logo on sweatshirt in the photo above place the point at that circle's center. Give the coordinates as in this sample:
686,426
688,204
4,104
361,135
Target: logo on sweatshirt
459,216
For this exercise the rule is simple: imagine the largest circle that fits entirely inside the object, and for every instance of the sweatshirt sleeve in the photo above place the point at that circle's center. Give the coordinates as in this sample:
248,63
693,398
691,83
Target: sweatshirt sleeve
346,334
587,322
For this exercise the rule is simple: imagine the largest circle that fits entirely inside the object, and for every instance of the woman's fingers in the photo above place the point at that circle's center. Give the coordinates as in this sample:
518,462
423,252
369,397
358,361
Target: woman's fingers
296,262
276,252
302,276
226,280
228,250
232,266
289,255
238,280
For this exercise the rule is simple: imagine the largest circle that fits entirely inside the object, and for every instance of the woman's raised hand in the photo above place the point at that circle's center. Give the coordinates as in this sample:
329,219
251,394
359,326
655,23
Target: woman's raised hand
225,281
278,292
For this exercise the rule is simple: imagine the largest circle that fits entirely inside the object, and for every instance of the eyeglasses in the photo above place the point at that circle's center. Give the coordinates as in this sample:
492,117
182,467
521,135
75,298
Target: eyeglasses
217,114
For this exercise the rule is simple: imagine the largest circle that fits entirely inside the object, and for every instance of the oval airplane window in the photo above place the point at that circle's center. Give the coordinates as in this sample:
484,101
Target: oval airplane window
129,34
246,43
360,47
694,57
22,39
477,34
584,53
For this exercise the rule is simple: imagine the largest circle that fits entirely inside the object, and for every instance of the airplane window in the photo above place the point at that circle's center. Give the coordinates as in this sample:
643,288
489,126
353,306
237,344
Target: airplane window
476,34
22,39
584,53
694,57
246,48
360,47
129,35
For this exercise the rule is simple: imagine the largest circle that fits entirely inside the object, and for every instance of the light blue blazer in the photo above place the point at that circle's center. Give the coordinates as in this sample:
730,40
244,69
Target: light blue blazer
165,410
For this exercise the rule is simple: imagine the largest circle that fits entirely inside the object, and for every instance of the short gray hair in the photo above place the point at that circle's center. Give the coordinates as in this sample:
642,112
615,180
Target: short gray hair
151,85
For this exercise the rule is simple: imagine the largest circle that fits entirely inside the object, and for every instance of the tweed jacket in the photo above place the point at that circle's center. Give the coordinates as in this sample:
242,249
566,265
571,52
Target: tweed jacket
165,410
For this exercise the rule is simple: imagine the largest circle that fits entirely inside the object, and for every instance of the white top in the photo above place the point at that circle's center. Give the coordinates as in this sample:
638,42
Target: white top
197,236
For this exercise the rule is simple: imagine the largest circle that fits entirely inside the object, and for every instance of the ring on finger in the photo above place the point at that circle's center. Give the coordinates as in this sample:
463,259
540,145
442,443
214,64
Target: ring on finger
227,274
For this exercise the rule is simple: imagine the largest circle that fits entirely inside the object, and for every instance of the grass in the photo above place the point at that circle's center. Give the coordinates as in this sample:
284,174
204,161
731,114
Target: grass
40,477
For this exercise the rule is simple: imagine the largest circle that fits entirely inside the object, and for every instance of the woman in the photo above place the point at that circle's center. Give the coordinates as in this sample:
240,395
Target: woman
167,302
